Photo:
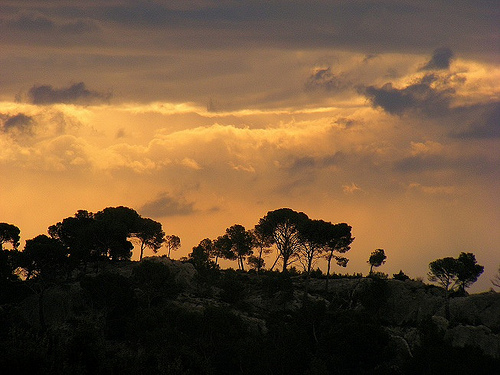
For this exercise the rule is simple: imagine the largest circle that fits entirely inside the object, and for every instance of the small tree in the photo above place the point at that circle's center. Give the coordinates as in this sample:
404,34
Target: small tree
172,242
377,258
453,274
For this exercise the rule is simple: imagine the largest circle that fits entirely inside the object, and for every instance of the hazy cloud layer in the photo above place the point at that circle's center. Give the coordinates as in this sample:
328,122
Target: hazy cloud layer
76,93
165,206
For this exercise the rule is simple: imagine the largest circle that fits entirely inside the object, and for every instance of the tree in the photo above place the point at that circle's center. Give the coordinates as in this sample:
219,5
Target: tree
454,274
241,243
339,243
150,235
44,260
263,245
223,248
9,234
202,255
44,257
445,272
78,234
172,242
114,226
281,227
468,270
377,258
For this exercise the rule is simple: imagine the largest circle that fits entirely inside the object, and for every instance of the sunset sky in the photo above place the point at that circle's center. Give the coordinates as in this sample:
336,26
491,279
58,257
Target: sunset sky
202,114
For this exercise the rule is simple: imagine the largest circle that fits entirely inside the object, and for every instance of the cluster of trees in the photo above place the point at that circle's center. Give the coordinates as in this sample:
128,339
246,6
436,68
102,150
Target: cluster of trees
79,240
294,235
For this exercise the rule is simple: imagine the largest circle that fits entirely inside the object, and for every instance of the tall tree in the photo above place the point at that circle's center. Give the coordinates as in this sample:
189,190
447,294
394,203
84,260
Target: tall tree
172,242
9,234
468,270
223,248
281,227
262,244
44,261
78,234
150,235
377,258
339,243
241,243
444,272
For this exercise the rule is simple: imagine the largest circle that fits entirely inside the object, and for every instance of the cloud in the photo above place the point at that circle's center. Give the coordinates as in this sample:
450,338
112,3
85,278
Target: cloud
20,122
324,79
166,205
32,23
486,123
74,94
440,60
425,96
351,189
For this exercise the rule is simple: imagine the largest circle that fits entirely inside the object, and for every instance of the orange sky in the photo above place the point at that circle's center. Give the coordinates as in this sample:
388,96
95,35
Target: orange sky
203,114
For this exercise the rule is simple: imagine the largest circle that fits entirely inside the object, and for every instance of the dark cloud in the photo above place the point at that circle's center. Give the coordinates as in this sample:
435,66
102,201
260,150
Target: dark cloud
440,60
79,27
166,205
32,23
309,162
20,122
75,94
486,122
420,96
324,79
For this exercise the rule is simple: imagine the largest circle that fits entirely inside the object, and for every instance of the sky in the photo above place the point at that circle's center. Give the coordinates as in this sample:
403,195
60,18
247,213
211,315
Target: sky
202,114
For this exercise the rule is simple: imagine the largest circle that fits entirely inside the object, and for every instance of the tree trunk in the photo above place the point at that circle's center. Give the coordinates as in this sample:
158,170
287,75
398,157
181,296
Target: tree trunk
41,315
328,271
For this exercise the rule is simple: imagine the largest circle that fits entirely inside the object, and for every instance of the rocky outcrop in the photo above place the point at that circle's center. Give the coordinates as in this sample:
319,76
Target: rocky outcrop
480,337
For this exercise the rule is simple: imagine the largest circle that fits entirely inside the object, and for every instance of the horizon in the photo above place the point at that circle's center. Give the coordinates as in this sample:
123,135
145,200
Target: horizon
202,115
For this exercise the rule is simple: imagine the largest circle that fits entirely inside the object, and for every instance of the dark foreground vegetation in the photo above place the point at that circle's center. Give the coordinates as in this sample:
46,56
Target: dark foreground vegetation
73,303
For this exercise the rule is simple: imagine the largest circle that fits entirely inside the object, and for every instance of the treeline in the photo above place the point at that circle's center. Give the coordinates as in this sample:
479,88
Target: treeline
70,302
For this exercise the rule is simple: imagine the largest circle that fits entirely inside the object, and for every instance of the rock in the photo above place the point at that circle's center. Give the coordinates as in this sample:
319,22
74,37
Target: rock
477,309
479,337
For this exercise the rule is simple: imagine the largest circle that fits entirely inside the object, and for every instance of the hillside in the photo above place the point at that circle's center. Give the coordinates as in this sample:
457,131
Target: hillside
166,317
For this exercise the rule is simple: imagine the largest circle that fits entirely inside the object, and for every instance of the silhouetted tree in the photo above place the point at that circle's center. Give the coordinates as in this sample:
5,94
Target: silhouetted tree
223,248
377,258
114,226
241,243
401,276
262,244
44,257
9,234
202,255
78,234
339,243
453,274
44,260
468,270
281,227
150,235
172,242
